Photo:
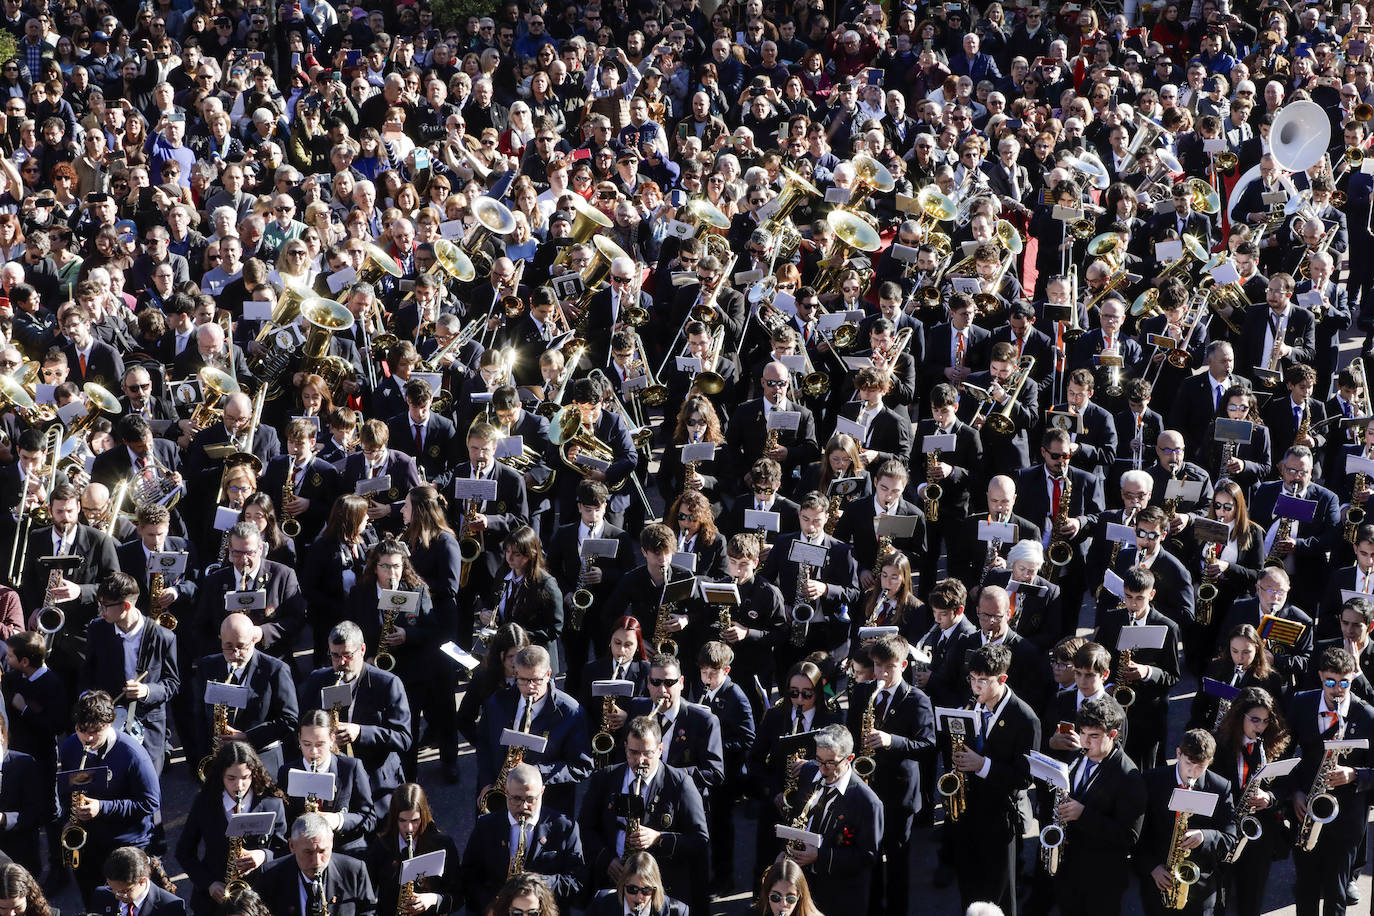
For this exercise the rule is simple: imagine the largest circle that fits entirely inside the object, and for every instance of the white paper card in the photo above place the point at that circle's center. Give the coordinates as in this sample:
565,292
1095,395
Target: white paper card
1121,534
598,547
1054,772
69,411
483,489
460,655
452,229
1149,637
795,362
1277,768
785,832
166,563
375,485
698,451
948,714
427,865
613,688
876,632
1186,491
1193,801
754,519
784,419
678,229
336,696
43,393
1225,273
1168,250
401,602
244,602
303,784
1113,584
996,531
250,823
809,554
849,428
689,364
1354,464
225,518
687,561
511,737
1346,744
509,447
235,696
257,311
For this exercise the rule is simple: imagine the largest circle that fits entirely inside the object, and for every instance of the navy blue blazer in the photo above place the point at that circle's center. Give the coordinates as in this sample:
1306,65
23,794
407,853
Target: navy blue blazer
134,561
159,902
1218,830
104,670
694,745
271,714
352,798
202,848
910,720
567,758
320,485
553,849
381,709
19,838
608,903
732,711
841,876
281,620
399,466
347,887
128,799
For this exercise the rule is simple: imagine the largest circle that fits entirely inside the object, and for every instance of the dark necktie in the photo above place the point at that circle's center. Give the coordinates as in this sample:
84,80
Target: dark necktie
880,708
1087,774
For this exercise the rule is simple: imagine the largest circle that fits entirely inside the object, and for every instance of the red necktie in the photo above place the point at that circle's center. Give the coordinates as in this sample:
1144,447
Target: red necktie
1058,489
82,357
419,438
1331,718
959,349
1020,345
1014,595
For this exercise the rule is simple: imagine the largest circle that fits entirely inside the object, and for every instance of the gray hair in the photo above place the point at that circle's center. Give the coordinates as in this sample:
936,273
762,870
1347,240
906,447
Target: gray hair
311,826
245,530
835,738
346,633
536,657
525,774
1140,479
1026,550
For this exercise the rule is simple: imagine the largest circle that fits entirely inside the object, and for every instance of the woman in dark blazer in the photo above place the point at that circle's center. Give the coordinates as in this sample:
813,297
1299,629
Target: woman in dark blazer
629,651
524,592
260,511
496,672
839,459
1254,457
350,811
235,774
332,566
690,515
434,552
892,603
1241,663
697,421
641,875
1235,569
409,830
1246,878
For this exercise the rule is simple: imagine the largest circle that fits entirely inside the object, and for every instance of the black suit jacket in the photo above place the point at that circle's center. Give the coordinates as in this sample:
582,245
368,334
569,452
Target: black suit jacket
1151,691
910,720
567,757
19,838
1308,736
158,902
443,446
967,566
1174,593
204,828
271,714
113,465
1300,334
1218,829
888,433
748,430
353,798
96,551
694,746
320,485
103,366
399,466
553,849
966,468
857,528
381,708
1093,859
157,661
851,830
940,349
281,620
347,887
1194,409
992,800
1314,538
1028,675
1033,500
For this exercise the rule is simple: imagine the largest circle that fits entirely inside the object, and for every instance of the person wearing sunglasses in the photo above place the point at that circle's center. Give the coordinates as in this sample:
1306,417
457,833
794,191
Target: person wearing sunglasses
748,433
1253,733
1332,711
1152,673
638,892
1246,463
1173,581
693,742
787,892
671,818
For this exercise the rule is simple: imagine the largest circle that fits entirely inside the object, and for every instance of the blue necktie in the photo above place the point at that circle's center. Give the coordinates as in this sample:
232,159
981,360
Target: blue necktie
982,735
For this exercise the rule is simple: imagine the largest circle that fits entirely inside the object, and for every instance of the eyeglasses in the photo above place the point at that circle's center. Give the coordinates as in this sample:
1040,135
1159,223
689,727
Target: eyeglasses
1343,683
1223,507
518,912
803,694
531,681
634,890
1263,720
775,897
979,683
1274,592
615,279
664,681
283,209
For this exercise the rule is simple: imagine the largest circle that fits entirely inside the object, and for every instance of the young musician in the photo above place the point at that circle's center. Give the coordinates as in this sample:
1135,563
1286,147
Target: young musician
409,830
352,812
719,693
129,885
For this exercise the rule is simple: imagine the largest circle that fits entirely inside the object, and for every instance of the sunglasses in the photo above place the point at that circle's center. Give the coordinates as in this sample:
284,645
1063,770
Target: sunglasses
801,694
775,897
663,681
776,383
1343,683
1223,507
1148,535
634,890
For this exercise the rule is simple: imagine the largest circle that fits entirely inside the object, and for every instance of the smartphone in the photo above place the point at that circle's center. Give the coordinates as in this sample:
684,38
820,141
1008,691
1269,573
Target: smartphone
257,56
421,159
295,60
582,153
336,76
682,131
1064,728
353,58
875,76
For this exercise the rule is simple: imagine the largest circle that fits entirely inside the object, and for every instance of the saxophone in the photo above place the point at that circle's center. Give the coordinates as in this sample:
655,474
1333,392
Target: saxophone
603,742
1223,705
233,878
951,784
994,549
884,548
1182,873
335,717
581,601
470,544
220,717
799,822
384,659
290,525
872,620
1283,533
1122,693
1052,836
155,589
1127,519
1207,589
1061,551
517,861
1322,806
933,490
488,801
770,442
832,515
73,834
662,641
1248,826
802,612
312,801
1355,515
864,763
1304,425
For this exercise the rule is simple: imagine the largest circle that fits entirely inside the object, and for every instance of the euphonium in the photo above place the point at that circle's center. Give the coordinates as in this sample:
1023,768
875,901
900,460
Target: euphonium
1182,873
1052,837
933,490
951,784
290,525
73,834
864,764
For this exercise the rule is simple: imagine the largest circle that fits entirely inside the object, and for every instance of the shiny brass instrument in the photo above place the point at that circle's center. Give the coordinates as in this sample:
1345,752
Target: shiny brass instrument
1248,826
155,591
1182,873
987,298
853,234
336,716
587,222
770,442
864,762
1322,806
1356,513
566,430
325,318
1224,705
1052,836
582,598
290,525
994,547
73,834
951,785
804,815
1000,421
1122,693
711,226
1270,377
220,729
1283,532
214,385
603,742
268,366
493,797
1060,552
594,275
1207,589
234,884
707,380
493,219
470,544
795,190
662,642
933,490
51,618
517,861
1304,425
884,549
384,658
802,611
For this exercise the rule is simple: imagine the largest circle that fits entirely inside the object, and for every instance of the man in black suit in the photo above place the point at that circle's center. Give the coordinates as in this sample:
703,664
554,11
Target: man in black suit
748,433
552,844
313,879
968,563
1027,672
1356,620
901,370
1334,317
1106,338
377,723
249,571
900,737
858,525
1209,838
728,703
670,814
1021,333
1304,549
1284,416
1094,448
566,565
88,359
995,768
143,677
1331,712
1182,221
695,746
1199,396
1271,599
886,431
494,519
129,888
314,482
828,589
1006,455
954,471
270,716
1103,815
1297,331
1152,673
713,288
567,756
430,438
1174,593
609,306
138,451
957,348
375,459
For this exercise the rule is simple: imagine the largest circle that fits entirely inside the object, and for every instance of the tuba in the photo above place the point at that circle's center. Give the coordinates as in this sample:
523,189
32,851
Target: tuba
324,318
493,219
853,235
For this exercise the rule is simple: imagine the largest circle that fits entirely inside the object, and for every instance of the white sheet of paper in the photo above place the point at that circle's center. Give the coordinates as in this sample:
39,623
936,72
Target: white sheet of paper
427,865
996,531
1193,801
784,419
243,602
303,784
511,737
610,687
474,488
1054,772
235,696
250,823
1148,637
168,563
402,602
257,310
754,519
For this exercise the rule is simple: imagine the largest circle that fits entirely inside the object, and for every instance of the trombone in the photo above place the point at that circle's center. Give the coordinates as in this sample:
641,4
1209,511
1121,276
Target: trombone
998,418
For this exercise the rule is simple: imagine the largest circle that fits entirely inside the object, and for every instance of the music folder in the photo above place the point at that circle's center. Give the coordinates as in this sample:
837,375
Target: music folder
796,834
956,721
791,745
166,563
511,737
810,554
402,602
217,693
81,780
336,695
426,865
303,784
376,485
754,519
897,527
680,590
243,602
250,823
1054,772
598,547
1220,689
613,688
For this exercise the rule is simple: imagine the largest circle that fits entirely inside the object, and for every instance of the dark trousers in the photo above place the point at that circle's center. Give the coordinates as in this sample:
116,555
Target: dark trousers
1247,876
720,818
431,693
892,877
1202,898
1321,876
985,860
937,535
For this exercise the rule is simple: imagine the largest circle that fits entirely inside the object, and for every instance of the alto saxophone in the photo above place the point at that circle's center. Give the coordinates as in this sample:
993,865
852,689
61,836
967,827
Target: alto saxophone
1322,806
155,591
517,861
1207,589
581,601
290,525
802,612
384,659
662,641
1304,425
1061,551
994,548
220,717
933,490
770,442
872,620
1284,532
1052,836
1224,705
799,822
1122,693
515,755
951,785
1182,873
1247,825
233,878
336,716
832,515
884,548
470,545
603,742
73,834
406,895
864,763
1355,514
